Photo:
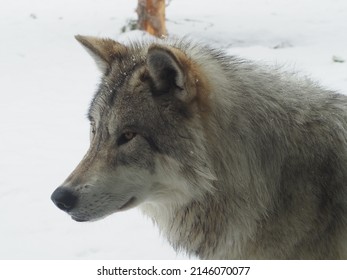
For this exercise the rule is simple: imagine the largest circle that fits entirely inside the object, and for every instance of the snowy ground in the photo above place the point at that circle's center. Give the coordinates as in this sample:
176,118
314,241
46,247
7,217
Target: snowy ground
47,81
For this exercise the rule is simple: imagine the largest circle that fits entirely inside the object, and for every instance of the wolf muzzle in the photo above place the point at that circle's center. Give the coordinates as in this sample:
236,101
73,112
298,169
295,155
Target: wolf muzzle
64,199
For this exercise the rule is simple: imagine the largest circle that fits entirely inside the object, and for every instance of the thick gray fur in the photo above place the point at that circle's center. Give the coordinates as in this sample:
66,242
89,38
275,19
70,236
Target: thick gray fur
232,160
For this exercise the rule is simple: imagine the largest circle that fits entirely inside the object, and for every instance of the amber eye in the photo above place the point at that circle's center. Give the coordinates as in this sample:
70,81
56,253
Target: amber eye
129,135
126,137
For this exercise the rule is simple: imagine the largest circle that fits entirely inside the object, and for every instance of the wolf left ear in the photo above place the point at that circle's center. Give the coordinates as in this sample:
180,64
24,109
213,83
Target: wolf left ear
165,69
104,51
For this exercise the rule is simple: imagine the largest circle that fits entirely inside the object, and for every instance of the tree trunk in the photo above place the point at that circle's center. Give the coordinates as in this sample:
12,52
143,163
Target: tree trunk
151,17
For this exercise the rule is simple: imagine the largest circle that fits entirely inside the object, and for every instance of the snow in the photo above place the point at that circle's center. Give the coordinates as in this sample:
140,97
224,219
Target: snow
48,80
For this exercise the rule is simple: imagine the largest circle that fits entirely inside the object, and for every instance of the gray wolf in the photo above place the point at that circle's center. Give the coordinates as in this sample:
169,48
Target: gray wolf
232,160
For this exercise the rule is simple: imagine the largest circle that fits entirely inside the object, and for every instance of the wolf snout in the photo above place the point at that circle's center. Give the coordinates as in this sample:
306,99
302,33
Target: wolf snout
64,198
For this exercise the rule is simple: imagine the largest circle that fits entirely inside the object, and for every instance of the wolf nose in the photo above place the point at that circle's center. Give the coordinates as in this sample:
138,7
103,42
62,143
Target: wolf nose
64,198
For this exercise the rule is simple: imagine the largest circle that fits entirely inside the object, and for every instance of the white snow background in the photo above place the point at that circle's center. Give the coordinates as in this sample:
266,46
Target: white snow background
47,81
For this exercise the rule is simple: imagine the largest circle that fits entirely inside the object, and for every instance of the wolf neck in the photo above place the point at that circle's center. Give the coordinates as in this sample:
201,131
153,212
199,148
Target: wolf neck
193,228
201,228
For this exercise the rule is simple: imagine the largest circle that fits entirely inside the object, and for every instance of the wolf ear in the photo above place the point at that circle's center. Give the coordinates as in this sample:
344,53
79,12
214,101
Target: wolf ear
164,69
104,51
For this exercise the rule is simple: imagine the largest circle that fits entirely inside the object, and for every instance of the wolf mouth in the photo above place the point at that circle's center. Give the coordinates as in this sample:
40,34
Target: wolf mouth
125,206
79,219
128,203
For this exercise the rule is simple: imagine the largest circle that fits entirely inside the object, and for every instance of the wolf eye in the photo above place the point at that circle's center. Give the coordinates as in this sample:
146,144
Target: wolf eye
129,135
126,137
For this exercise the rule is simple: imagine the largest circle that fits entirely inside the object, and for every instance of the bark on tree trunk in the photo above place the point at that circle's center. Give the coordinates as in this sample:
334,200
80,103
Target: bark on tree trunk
151,17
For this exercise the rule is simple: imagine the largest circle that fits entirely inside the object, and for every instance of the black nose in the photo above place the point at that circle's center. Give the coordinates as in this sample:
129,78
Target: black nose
64,199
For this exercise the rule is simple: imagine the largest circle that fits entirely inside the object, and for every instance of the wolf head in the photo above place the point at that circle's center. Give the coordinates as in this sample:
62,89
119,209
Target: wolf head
147,132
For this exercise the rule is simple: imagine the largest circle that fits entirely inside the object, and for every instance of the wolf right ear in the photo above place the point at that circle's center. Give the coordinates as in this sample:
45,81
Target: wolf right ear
104,51
165,69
